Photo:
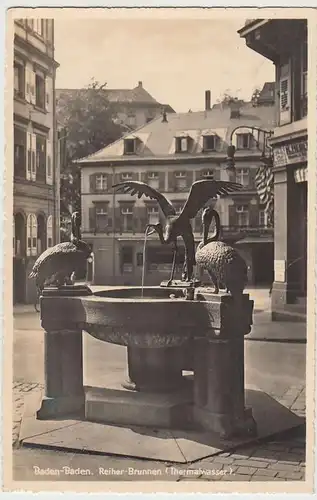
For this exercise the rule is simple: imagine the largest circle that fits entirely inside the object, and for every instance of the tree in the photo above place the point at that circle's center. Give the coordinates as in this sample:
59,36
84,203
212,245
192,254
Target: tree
88,121
255,96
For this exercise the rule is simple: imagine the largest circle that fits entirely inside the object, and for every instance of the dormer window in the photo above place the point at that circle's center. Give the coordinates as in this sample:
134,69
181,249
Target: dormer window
243,141
181,144
209,142
129,146
126,176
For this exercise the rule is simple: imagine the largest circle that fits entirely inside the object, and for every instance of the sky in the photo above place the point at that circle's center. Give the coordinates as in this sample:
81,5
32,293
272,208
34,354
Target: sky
176,59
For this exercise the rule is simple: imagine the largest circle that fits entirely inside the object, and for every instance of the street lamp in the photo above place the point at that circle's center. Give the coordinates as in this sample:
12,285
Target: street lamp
266,159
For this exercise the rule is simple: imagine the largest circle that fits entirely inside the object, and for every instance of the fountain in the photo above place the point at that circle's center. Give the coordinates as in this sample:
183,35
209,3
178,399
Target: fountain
160,326
157,331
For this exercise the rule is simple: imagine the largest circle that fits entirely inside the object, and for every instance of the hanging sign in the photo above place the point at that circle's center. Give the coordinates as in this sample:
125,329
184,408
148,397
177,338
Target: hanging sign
290,153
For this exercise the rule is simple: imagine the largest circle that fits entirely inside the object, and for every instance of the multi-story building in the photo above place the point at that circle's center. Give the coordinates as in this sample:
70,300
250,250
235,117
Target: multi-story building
284,42
36,171
170,153
132,107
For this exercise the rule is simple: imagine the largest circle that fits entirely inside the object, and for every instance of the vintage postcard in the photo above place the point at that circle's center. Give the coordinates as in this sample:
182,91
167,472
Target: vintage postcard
160,217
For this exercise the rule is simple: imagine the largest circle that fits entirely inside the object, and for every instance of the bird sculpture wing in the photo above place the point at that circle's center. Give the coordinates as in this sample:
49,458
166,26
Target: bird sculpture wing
141,188
202,191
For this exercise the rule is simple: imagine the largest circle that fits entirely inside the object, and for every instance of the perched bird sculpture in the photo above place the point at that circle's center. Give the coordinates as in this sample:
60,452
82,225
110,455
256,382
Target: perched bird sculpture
223,263
59,264
179,225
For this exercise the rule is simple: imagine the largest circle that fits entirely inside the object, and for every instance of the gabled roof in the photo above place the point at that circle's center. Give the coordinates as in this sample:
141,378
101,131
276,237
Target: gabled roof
156,139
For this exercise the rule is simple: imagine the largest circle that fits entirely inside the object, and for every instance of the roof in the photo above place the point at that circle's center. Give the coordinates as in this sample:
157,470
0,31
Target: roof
157,138
137,95
267,93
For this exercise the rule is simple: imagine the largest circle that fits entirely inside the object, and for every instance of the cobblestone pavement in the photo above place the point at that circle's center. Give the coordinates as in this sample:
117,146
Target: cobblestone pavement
281,459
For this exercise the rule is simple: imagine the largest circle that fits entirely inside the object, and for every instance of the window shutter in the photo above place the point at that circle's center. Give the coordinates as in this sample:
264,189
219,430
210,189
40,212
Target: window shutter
285,94
92,219
29,156
32,87
171,181
232,215
27,84
28,235
48,92
92,182
33,162
49,172
216,172
161,181
189,178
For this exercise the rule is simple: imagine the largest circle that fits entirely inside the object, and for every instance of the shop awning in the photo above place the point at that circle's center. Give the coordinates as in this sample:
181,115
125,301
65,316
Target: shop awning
301,174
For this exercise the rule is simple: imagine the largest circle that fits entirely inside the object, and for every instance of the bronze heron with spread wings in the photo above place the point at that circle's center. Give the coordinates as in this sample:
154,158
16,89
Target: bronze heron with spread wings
179,225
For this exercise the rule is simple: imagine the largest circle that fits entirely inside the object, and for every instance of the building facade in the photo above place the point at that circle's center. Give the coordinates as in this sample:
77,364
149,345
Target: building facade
132,107
284,42
170,153
36,169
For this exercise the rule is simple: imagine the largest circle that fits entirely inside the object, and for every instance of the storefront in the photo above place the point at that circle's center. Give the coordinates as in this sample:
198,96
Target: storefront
290,223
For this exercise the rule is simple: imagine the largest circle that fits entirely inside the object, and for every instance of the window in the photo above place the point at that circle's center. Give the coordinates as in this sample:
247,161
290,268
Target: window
101,212
242,215
181,144
262,218
129,146
13,234
242,176
127,259
126,176
208,174
243,141
131,120
38,26
178,207
19,83
127,218
49,231
40,158
101,182
153,180
180,178
31,235
40,91
153,215
31,157
304,80
19,152
209,142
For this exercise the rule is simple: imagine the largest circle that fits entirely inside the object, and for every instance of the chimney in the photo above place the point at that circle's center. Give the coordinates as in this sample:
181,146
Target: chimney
207,100
140,85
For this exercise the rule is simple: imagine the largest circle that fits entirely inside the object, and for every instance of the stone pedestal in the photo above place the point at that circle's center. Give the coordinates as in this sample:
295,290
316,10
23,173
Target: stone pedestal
219,402
64,391
155,370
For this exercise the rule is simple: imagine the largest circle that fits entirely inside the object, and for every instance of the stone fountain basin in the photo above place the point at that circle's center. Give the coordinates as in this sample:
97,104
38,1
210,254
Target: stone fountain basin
160,318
